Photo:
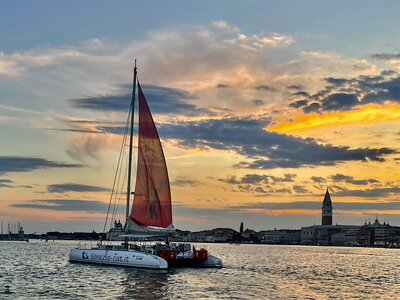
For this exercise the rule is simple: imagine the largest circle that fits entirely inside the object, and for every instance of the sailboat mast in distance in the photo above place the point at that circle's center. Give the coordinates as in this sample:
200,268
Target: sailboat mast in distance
128,191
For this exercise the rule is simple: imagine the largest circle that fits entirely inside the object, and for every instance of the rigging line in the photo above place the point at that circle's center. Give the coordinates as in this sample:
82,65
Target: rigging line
120,193
119,158
118,185
119,188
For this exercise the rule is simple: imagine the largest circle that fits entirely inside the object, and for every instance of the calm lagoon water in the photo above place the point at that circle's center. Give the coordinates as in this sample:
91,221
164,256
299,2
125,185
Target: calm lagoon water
39,270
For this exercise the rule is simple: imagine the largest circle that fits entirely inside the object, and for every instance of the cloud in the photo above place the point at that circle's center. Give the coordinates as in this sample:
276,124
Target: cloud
256,179
299,103
162,100
185,182
265,88
299,189
339,101
318,179
73,187
4,183
258,102
369,193
386,56
313,107
350,179
344,94
90,206
10,164
365,115
266,149
381,91
301,94
295,87
221,86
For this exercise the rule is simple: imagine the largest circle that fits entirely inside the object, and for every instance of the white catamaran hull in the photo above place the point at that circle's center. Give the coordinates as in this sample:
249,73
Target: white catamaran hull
118,258
211,262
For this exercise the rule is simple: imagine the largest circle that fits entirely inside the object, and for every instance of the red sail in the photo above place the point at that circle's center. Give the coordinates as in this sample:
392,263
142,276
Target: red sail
152,201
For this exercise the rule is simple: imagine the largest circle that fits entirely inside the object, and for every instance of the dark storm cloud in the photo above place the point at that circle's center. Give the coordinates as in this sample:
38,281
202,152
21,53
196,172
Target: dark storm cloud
89,206
318,179
267,150
350,179
161,100
386,56
73,187
26,164
4,183
299,103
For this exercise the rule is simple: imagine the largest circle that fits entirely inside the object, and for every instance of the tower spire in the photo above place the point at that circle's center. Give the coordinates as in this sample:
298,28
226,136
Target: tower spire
327,209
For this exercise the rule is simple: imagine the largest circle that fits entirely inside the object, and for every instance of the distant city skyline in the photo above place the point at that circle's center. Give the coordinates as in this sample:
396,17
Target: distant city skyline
260,105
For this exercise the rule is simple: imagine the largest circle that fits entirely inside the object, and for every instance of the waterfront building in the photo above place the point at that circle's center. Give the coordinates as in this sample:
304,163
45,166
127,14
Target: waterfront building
378,234
282,236
322,234
346,238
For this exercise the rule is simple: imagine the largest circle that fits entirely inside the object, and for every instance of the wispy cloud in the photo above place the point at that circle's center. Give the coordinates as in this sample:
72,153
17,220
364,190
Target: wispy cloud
4,183
185,182
90,206
351,180
375,193
386,56
74,187
162,100
10,164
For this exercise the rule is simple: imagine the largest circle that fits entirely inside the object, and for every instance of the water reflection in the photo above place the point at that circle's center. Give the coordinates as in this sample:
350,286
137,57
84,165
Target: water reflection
145,284
38,270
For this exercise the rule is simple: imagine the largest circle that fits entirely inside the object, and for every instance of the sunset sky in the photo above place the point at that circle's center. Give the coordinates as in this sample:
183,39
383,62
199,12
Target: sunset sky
260,105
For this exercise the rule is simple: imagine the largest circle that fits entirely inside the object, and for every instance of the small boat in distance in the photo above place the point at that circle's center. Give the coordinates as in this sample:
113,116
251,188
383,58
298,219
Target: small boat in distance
150,218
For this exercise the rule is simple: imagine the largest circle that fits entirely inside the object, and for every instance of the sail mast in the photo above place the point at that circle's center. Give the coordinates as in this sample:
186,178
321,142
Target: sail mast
128,192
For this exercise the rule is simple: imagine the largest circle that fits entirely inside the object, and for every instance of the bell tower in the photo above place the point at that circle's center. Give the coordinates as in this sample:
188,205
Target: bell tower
327,209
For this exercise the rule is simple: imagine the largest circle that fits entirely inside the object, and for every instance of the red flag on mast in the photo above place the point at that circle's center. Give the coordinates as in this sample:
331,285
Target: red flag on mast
152,201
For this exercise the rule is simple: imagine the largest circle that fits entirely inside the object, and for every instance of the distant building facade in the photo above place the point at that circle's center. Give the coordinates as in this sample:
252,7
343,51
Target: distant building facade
322,234
283,236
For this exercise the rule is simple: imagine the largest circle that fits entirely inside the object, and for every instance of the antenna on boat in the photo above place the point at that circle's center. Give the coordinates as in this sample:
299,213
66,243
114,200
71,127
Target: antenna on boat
128,191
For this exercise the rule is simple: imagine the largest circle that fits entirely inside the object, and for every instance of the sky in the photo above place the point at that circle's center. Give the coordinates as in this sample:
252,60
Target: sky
260,105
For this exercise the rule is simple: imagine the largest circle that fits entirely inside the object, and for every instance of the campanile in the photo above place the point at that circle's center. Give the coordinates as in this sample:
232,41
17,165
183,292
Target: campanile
327,209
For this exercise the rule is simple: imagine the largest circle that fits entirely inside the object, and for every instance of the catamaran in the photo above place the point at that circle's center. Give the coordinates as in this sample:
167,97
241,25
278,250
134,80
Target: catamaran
151,215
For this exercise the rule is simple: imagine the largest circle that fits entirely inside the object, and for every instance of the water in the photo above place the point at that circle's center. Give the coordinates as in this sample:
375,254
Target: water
39,270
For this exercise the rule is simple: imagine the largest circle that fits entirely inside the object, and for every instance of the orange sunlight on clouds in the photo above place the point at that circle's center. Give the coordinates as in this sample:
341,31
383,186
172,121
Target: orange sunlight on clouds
367,114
